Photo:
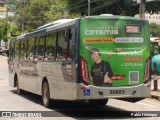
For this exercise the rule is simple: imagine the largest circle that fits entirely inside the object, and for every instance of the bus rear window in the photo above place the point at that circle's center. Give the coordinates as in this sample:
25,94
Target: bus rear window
132,29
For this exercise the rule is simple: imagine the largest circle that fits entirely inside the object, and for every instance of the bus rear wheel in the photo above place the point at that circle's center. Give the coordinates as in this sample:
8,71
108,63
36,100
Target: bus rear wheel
19,91
101,102
46,94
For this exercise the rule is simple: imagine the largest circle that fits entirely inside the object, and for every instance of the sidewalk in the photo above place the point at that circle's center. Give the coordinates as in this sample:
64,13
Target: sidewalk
155,94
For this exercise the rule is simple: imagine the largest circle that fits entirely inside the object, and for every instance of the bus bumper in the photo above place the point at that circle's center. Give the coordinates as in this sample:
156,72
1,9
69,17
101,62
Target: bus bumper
96,92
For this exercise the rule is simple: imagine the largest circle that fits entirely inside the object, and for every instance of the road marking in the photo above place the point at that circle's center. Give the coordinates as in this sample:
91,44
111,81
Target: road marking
146,104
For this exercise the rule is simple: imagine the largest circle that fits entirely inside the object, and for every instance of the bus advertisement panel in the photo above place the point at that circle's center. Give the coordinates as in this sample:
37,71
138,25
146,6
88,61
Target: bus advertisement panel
115,51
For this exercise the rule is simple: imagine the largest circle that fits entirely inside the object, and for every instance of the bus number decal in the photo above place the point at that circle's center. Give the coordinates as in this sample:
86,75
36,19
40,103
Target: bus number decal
116,92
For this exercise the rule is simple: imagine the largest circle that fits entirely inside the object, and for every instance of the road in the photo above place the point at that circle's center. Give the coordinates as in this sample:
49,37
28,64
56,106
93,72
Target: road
10,101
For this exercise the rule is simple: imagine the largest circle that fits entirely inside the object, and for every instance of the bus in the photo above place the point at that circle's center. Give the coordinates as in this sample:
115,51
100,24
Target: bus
90,58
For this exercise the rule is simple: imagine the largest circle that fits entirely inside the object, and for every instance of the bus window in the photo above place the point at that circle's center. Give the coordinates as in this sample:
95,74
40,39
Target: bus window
23,55
17,49
71,36
50,44
40,47
66,44
61,46
12,51
30,49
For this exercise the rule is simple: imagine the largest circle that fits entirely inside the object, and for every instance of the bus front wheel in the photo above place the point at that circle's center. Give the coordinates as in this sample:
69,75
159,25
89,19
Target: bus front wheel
101,102
46,94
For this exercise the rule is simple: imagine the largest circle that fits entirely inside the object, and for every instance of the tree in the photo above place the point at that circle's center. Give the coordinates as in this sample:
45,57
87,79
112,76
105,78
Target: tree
35,13
3,31
56,10
31,13
5,28
116,7
152,7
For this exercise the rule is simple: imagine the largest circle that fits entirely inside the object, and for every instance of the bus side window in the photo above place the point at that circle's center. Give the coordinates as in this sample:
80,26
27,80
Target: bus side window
11,51
50,47
30,49
71,37
17,50
23,50
40,48
61,52
66,44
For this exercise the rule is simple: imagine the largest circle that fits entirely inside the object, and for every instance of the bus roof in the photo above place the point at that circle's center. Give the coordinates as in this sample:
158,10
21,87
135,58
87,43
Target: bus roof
48,27
110,16
54,23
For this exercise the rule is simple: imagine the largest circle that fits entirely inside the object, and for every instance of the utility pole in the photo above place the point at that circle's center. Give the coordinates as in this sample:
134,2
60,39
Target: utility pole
142,9
89,7
155,77
65,13
6,8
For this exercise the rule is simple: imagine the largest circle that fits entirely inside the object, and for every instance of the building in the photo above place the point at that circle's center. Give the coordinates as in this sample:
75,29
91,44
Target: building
152,18
3,9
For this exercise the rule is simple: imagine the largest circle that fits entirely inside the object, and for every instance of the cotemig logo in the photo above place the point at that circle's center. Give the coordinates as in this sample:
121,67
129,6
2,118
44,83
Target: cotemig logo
103,30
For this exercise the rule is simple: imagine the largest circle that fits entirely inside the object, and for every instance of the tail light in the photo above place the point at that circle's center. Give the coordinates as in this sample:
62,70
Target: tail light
87,17
84,71
142,19
147,73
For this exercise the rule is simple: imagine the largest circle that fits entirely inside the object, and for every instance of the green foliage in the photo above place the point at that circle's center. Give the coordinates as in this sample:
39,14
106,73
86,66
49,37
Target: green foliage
31,14
154,50
155,29
5,28
56,10
35,13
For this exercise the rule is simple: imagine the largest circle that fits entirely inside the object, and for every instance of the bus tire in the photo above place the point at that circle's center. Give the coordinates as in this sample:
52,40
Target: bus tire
19,91
46,94
101,102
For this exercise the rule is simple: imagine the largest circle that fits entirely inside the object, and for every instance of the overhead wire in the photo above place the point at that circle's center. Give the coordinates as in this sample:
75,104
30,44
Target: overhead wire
74,4
104,5
93,9
73,8
85,4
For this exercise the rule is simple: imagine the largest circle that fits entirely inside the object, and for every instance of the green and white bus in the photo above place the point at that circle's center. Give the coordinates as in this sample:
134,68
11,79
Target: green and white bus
90,58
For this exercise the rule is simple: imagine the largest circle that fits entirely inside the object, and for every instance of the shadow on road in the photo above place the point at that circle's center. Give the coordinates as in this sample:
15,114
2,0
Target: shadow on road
78,110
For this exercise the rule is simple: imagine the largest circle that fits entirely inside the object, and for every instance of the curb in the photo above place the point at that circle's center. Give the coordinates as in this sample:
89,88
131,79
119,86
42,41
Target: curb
155,95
